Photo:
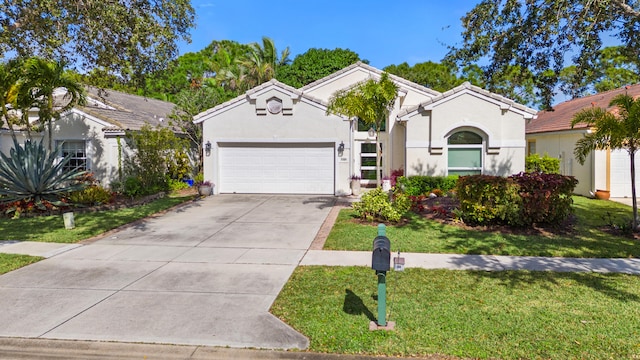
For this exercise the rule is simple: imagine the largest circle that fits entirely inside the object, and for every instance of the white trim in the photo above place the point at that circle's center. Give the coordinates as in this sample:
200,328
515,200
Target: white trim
412,144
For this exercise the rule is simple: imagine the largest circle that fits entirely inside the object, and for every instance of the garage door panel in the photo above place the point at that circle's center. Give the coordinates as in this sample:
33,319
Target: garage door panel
277,168
621,173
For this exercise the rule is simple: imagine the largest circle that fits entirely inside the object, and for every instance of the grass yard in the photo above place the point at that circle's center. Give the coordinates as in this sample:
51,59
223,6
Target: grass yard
51,228
423,235
506,315
10,262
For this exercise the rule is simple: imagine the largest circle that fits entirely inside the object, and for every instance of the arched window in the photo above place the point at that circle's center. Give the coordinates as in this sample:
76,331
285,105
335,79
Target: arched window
464,152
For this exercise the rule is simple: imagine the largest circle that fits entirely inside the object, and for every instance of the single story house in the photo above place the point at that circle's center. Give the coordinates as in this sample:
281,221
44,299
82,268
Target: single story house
278,139
94,133
551,133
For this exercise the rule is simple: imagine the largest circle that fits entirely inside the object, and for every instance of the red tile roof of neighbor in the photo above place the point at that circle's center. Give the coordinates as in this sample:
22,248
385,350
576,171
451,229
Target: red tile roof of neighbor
560,118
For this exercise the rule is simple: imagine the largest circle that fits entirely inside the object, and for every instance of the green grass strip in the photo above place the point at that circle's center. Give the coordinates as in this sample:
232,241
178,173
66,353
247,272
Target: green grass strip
506,315
10,262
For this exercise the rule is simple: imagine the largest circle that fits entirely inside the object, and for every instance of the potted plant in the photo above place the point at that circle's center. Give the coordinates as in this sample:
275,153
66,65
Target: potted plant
602,194
205,188
355,185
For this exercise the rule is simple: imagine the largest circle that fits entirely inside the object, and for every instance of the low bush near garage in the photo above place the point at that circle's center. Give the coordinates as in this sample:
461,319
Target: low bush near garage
423,185
377,205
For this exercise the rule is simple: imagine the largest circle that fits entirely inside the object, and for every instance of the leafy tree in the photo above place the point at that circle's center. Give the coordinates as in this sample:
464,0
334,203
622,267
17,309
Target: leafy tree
157,152
536,35
315,64
188,104
370,102
437,76
10,73
612,130
140,36
42,79
616,69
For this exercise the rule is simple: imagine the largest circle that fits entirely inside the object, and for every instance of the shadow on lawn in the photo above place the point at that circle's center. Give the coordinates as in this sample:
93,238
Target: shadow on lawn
353,305
606,284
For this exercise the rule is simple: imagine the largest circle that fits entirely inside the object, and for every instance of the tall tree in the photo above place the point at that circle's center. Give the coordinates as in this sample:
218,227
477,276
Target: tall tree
612,130
42,79
537,34
315,64
140,35
370,102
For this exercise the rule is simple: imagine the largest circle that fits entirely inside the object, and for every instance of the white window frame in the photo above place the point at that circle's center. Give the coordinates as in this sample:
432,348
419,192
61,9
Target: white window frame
85,158
480,147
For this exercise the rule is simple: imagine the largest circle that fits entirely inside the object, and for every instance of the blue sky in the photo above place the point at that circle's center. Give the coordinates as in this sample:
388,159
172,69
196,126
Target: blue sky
383,32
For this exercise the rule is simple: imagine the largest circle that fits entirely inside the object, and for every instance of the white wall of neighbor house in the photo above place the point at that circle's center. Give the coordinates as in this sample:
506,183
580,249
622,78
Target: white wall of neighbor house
239,123
6,140
502,132
591,176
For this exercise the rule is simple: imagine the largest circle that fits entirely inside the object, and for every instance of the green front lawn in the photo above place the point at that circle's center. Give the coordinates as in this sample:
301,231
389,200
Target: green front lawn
51,228
476,314
422,235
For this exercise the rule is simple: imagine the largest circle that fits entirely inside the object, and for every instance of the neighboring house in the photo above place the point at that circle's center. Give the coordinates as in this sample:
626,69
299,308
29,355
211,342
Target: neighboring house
277,139
551,133
95,133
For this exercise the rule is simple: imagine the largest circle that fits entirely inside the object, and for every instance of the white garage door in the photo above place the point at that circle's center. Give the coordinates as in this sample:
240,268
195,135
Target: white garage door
277,168
621,173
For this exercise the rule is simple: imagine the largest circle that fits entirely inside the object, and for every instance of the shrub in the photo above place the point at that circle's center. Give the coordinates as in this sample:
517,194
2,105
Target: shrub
422,185
375,205
175,185
545,164
92,195
519,200
133,187
488,199
31,172
546,198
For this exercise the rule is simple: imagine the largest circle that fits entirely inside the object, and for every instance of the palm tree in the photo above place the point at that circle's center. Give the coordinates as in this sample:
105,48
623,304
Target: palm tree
371,102
43,78
262,62
618,129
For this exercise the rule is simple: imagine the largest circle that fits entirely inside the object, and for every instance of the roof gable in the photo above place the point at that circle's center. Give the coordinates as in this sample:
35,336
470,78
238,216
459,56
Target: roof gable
504,103
404,84
260,96
559,119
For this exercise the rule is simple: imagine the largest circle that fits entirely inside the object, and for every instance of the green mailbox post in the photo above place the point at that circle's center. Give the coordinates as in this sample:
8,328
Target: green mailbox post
380,262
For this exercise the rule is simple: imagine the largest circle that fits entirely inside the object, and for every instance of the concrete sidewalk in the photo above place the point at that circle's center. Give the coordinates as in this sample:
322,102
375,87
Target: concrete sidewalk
478,262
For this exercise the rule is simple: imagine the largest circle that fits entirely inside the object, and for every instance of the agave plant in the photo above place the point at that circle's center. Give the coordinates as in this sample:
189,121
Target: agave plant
31,172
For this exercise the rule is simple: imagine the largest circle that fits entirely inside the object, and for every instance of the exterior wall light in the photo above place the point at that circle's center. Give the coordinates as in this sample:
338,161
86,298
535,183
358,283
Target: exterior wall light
207,148
341,148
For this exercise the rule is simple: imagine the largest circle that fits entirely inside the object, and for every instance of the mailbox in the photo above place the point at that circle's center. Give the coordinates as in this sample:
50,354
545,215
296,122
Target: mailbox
381,257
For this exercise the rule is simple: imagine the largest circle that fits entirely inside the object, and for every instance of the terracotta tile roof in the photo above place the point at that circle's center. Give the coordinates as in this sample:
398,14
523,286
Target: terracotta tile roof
560,118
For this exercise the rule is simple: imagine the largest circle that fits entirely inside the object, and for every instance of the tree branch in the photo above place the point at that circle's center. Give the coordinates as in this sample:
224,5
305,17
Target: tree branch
625,8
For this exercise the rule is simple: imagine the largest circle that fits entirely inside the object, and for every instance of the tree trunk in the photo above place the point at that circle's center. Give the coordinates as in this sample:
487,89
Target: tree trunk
632,156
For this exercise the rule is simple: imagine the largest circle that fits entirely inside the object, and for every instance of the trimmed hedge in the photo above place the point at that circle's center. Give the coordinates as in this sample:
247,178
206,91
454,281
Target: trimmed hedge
423,185
545,164
520,200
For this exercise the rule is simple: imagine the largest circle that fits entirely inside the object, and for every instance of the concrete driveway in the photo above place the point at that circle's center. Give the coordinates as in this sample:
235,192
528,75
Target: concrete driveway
203,274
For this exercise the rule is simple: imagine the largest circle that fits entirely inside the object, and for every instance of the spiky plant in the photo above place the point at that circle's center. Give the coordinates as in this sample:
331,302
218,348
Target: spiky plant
31,172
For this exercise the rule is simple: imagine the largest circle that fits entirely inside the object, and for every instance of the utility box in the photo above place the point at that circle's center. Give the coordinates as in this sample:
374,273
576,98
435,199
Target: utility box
381,257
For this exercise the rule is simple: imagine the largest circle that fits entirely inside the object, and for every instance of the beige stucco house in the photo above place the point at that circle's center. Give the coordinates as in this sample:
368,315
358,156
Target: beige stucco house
551,133
277,139
95,133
